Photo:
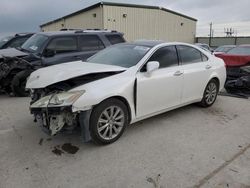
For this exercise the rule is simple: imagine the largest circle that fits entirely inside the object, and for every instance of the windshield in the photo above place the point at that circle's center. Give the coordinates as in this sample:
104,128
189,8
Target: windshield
125,55
35,43
223,49
241,50
4,40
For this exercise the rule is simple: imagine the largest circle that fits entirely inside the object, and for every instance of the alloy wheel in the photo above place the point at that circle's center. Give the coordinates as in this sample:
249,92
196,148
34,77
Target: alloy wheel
111,122
211,93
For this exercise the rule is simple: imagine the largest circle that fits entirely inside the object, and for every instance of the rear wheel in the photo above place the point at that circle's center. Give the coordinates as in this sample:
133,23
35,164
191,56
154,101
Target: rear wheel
108,121
210,93
18,84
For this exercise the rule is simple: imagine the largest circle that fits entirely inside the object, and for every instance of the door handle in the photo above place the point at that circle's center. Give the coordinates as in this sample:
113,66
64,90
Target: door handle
208,66
178,73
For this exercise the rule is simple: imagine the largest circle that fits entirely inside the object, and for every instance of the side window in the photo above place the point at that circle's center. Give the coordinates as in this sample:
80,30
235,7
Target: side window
63,44
17,42
166,56
189,55
90,43
115,39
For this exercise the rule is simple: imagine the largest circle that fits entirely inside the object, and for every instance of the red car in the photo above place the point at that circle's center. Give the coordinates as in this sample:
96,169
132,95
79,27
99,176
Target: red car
237,63
235,59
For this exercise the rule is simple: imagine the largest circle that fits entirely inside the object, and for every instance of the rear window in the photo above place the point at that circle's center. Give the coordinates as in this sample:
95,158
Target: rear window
115,39
90,43
241,50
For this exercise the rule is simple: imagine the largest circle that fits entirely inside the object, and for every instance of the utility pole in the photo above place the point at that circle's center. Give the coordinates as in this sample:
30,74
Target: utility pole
210,35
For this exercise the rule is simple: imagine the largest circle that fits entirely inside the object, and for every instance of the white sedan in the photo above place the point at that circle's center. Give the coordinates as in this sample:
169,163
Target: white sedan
121,85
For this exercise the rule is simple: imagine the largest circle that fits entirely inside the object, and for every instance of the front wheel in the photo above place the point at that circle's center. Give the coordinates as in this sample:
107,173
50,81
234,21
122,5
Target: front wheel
108,121
210,93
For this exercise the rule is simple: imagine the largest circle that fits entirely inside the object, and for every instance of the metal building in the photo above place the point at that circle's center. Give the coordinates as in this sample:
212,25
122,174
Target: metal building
135,21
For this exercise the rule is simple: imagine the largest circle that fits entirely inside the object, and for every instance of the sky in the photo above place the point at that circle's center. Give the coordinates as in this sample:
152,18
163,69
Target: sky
27,15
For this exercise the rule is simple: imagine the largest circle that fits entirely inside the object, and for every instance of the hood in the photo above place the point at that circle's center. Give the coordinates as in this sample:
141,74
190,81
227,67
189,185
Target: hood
11,52
58,73
234,60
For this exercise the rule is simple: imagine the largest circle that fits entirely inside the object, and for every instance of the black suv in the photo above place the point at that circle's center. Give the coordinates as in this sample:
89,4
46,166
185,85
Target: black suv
14,41
50,48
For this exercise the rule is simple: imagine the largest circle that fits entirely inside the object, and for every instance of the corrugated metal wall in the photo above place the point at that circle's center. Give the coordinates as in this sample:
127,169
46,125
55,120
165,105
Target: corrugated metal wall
136,23
140,23
219,41
85,20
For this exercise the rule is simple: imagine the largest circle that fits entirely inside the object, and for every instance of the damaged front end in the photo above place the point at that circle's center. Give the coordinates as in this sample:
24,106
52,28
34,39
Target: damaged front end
9,67
54,113
52,120
54,97
68,84
241,84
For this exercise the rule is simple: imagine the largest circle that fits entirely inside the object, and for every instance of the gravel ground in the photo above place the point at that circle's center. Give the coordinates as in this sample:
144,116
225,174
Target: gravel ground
188,147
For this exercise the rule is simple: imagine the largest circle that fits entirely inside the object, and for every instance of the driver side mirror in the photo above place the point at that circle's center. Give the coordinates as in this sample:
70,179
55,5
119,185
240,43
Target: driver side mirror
152,66
49,53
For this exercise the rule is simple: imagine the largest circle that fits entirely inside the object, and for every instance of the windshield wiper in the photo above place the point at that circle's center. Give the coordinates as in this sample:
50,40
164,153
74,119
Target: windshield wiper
22,49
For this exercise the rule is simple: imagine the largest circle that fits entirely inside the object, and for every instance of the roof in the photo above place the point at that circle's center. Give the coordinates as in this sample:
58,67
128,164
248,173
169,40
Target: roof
228,46
148,43
245,45
120,5
24,34
70,32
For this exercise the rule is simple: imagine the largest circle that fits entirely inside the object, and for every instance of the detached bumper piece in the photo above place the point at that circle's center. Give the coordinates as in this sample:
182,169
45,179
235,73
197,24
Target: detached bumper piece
53,120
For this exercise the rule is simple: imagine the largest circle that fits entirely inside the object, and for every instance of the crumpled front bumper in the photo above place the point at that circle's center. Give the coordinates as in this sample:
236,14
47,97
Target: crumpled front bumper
52,120
4,70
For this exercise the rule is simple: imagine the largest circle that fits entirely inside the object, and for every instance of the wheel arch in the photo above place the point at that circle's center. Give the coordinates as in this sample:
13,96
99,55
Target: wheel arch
125,101
216,79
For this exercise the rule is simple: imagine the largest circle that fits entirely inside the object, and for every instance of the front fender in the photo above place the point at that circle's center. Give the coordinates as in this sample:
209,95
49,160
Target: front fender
101,90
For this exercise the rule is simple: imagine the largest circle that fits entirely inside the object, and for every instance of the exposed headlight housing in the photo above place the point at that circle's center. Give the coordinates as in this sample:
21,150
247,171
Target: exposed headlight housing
59,99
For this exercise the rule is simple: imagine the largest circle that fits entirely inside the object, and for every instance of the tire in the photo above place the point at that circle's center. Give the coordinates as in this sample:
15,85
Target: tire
18,84
103,129
210,94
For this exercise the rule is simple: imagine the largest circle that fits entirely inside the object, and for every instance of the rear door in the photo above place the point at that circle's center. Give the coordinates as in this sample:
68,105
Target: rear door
89,45
196,69
162,89
65,49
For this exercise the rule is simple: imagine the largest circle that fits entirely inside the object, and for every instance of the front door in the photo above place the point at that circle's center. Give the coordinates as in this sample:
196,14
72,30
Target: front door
65,49
162,89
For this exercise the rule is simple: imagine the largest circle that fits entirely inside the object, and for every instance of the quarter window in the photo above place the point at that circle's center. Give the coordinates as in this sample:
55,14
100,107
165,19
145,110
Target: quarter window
189,55
115,39
166,56
90,43
63,45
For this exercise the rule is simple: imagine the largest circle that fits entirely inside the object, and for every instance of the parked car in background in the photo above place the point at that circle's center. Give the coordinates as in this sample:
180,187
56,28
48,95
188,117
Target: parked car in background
123,84
235,59
224,49
14,41
46,49
204,46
